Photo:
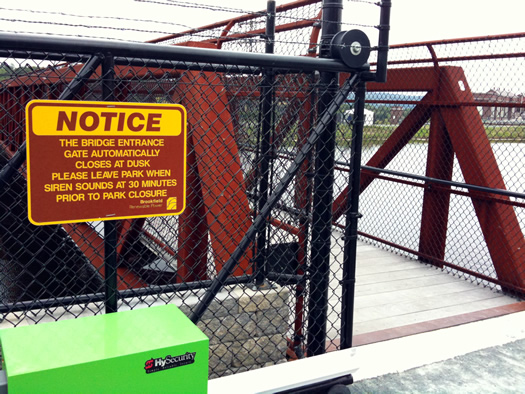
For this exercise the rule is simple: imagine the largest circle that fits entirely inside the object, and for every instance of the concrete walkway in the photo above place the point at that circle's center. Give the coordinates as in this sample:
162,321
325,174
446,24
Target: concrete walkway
499,369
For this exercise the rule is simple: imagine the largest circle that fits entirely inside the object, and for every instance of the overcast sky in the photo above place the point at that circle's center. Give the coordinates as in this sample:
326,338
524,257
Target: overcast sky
412,20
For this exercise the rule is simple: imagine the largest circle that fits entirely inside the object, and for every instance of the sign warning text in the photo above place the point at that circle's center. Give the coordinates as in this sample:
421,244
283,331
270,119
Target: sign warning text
103,160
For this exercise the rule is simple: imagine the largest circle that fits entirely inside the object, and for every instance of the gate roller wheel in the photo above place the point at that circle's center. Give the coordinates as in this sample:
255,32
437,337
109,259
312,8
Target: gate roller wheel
352,47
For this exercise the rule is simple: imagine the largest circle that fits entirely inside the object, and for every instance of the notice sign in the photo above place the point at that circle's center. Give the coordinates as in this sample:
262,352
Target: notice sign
102,160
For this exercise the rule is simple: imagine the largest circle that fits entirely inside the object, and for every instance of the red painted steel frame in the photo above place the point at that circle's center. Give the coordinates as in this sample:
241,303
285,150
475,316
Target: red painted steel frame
15,96
455,128
200,218
229,23
193,235
210,129
193,229
436,201
498,222
92,245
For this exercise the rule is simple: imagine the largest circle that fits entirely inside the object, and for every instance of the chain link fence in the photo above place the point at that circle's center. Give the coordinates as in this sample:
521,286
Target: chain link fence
442,175
258,257
249,260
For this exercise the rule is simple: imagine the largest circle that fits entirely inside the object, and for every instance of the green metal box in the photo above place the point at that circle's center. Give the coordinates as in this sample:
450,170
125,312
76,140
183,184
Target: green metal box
149,350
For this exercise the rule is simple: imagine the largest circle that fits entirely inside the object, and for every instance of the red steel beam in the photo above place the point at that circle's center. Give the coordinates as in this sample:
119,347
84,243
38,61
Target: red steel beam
423,79
498,222
92,245
458,58
210,128
258,32
436,201
460,40
192,255
232,21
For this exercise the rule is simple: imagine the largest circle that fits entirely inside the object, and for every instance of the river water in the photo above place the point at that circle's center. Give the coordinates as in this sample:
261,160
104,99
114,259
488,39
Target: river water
392,211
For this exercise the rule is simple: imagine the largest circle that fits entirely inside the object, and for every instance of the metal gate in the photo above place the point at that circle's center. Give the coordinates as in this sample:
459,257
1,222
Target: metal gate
253,258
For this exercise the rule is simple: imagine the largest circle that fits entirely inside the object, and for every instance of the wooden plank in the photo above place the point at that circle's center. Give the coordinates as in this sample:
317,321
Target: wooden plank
361,327
394,291
398,308
413,295
409,283
369,269
413,272
437,324
382,259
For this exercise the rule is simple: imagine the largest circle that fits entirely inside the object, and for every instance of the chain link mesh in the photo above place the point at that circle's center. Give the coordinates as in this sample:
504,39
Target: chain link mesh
57,272
417,128
451,111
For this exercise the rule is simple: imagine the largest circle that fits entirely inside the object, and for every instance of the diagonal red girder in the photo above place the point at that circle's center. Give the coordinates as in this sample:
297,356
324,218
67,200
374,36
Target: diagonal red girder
460,132
498,222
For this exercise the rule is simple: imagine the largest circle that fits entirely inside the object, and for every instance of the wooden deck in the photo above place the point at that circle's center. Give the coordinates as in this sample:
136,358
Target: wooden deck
397,296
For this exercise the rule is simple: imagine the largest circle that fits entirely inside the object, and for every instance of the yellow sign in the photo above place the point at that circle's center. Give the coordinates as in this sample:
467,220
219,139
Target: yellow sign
89,118
104,160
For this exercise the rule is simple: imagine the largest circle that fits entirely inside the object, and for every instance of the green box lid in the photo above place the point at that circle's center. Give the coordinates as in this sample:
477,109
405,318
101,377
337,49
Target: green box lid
113,345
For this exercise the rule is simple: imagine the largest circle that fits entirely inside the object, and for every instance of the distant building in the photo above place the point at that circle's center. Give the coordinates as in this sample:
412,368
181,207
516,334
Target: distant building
396,114
369,116
510,108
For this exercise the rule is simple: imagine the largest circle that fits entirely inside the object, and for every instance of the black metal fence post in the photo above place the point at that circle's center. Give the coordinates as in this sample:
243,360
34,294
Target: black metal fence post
323,192
352,217
267,112
382,48
110,226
